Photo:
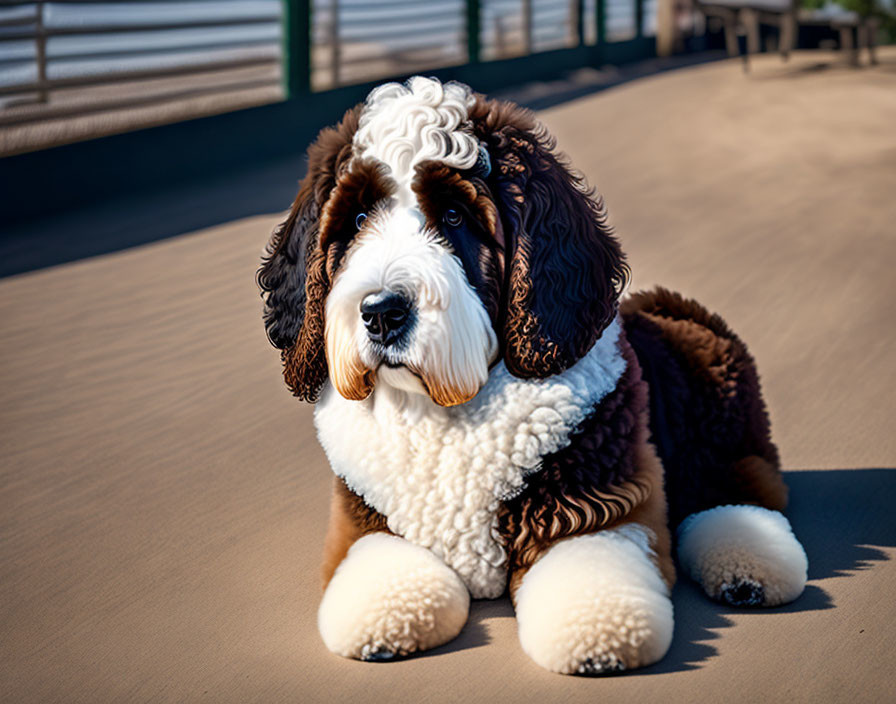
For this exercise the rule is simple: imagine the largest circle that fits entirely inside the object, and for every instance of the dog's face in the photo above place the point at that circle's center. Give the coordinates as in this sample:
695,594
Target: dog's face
436,233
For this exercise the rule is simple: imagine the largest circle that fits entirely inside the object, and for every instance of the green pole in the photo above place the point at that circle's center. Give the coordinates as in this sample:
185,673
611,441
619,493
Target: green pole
601,22
296,33
474,20
580,22
639,18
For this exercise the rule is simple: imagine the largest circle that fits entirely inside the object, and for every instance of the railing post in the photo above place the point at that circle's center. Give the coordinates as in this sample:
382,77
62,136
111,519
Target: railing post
474,27
578,18
296,62
335,44
500,37
601,18
41,47
639,18
527,26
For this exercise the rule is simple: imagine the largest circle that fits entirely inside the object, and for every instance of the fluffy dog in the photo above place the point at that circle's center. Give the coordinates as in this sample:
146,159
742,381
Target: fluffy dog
446,291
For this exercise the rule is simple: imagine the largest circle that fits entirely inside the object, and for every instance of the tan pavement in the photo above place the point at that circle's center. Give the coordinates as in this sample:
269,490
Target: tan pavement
163,498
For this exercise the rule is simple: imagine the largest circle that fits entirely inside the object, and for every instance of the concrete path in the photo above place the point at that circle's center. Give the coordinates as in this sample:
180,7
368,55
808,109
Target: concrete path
163,498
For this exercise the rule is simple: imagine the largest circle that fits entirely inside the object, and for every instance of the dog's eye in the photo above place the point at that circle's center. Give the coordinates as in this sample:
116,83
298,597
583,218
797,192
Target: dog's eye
360,220
452,218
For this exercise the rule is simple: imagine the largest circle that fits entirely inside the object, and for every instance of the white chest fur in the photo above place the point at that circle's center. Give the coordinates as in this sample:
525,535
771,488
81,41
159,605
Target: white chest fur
439,474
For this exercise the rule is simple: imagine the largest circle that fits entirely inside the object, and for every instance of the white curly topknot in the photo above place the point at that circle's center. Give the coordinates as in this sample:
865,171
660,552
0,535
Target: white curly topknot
423,119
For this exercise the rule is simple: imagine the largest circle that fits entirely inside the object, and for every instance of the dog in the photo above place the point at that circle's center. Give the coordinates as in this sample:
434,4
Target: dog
446,290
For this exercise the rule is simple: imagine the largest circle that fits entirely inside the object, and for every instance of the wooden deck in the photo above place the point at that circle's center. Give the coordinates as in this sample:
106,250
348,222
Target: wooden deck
163,498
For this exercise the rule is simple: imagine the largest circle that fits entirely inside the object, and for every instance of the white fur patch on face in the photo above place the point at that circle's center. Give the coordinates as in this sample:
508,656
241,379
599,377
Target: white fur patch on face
595,603
451,342
402,126
439,475
389,596
744,555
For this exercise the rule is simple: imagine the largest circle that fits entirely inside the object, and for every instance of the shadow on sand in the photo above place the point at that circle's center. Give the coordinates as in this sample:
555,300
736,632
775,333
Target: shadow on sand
841,517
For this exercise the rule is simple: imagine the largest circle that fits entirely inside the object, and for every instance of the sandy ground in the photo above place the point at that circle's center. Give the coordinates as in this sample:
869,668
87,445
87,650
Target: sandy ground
164,498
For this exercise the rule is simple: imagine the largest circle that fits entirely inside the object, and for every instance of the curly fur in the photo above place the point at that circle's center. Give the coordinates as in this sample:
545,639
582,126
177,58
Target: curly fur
391,597
744,555
565,270
707,416
440,475
589,484
403,126
576,418
595,604
293,276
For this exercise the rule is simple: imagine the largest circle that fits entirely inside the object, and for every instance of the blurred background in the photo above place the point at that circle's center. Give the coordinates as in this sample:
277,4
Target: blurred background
163,498
72,70
142,62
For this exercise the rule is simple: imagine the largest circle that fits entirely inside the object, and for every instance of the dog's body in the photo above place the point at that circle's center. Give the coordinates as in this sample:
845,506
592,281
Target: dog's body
446,292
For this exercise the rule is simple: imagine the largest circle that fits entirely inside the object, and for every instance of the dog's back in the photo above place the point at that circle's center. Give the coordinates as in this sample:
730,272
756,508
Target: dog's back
707,416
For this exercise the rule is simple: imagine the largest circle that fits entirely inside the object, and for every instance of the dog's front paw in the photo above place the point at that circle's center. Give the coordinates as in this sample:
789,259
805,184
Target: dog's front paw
743,555
389,598
595,605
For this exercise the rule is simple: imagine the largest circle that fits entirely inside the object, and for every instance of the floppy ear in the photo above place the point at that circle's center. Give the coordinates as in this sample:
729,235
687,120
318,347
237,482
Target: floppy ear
564,270
293,277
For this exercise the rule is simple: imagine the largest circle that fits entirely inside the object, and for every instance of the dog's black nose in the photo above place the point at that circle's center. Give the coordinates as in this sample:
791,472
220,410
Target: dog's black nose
387,316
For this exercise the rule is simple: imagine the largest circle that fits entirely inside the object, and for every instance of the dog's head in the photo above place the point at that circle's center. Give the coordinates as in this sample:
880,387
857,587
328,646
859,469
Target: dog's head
435,233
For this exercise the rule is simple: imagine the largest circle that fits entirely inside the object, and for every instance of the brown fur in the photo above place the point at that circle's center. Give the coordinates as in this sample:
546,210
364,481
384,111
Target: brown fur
351,377
350,520
444,394
564,267
536,246
294,275
479,242
357,191
707,415
439,187
652,513
608,475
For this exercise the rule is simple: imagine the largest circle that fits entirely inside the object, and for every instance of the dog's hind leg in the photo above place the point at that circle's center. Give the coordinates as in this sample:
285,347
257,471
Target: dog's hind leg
746,554
743,555
722,472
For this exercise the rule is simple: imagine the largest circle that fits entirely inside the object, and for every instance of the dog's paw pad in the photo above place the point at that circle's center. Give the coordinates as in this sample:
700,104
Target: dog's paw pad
743,592
379,655
606,664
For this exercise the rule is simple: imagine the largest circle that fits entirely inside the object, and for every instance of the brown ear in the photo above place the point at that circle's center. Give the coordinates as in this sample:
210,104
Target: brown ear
565,270
293,276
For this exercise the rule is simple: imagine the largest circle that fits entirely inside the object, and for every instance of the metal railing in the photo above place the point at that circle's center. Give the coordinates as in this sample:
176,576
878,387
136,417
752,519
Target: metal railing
81,45
85,59
357,40
77,69
326,43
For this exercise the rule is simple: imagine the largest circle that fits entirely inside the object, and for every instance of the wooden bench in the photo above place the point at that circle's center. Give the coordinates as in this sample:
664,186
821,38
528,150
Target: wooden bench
787,15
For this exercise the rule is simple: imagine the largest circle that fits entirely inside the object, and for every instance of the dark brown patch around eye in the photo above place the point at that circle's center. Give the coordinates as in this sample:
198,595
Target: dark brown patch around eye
440,188
357,191
462,210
